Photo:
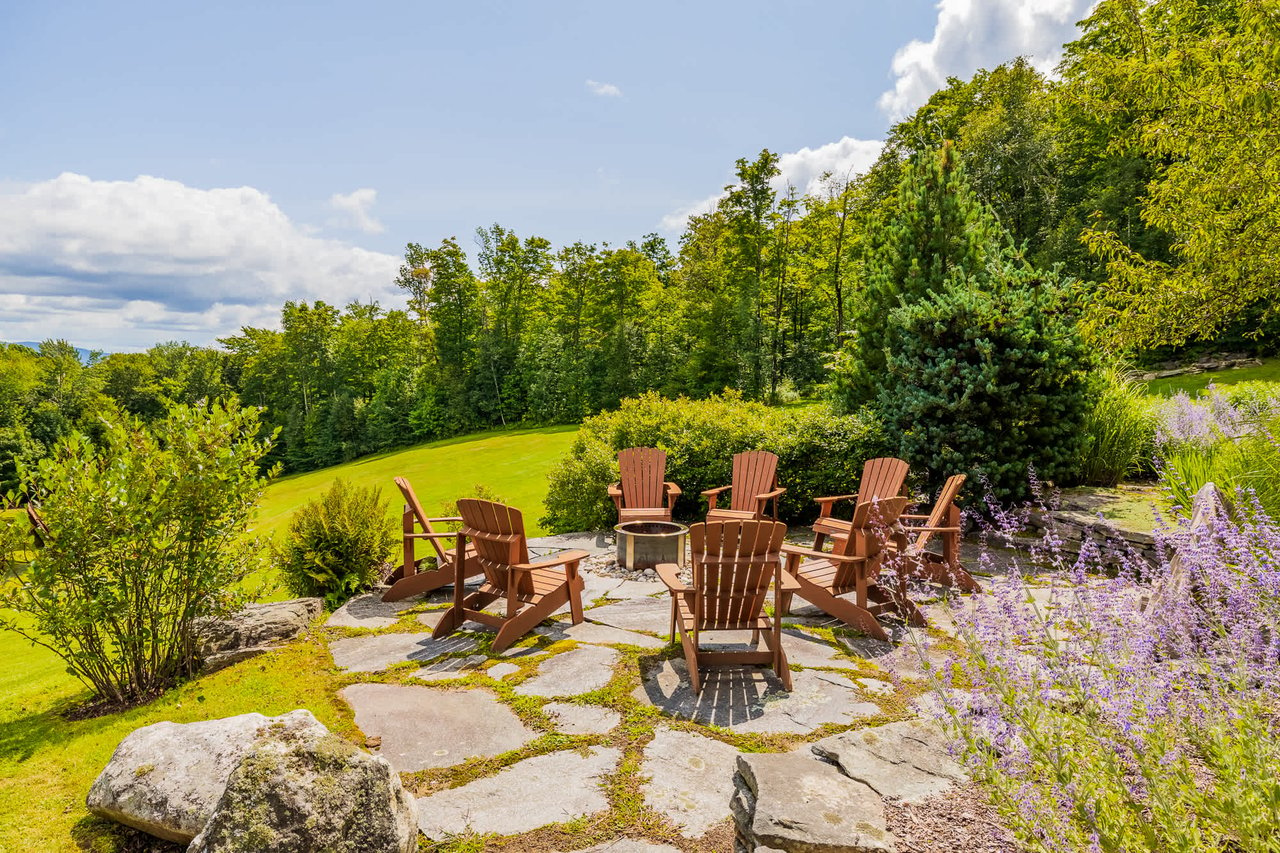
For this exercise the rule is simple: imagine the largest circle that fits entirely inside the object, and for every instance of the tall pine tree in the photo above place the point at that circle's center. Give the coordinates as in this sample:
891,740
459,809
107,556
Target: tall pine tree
937,232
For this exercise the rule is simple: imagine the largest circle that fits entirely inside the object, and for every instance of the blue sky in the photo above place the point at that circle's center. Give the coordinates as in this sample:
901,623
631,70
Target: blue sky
173,170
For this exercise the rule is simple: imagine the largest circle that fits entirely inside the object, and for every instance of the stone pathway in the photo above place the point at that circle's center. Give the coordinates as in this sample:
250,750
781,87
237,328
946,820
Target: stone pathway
507,744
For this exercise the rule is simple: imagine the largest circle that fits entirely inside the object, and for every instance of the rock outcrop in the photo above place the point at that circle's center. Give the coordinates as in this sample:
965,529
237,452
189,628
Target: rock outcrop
166,778
253,630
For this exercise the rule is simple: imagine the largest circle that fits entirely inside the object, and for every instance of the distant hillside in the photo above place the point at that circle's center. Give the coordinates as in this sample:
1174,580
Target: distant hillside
81,351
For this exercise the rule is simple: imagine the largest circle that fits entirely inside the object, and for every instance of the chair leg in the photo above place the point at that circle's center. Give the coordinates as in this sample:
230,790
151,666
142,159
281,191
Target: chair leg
780,665
576,585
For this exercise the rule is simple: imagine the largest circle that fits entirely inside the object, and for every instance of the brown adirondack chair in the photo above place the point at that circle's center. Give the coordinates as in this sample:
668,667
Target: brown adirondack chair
882,477
754,485
642,494
734,562
944,522
413,580
853,565
533,590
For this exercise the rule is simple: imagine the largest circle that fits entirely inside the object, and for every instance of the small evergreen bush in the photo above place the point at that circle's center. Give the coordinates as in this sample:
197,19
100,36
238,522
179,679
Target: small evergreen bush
337,545
989,380
819,453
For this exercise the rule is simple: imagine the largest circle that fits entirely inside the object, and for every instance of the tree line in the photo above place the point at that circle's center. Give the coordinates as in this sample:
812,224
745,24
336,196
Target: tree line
1140,181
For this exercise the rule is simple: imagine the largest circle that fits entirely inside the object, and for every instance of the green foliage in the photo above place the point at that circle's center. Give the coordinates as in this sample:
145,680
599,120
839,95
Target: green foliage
1248,464
146,535
989,383
818,453
1190,86
938,233
337,545
1119,430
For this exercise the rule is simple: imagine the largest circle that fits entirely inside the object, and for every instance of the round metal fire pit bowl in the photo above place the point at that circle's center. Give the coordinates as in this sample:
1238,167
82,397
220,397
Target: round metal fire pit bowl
645,544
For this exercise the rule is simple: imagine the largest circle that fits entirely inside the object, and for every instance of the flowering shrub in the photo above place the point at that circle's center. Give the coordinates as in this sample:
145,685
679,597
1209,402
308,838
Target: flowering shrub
1226,436
1098,725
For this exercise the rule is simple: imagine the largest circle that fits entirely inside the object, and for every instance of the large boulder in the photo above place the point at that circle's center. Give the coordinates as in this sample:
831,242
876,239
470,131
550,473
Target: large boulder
313,793
253,630
166,778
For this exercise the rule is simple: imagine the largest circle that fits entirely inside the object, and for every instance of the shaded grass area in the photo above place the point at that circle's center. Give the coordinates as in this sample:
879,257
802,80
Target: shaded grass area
1193,383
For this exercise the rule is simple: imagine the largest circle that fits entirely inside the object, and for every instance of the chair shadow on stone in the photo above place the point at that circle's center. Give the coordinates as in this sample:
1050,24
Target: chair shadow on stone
729,696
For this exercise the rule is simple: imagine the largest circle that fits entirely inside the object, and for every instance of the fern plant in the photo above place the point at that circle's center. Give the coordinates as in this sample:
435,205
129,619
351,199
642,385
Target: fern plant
337,545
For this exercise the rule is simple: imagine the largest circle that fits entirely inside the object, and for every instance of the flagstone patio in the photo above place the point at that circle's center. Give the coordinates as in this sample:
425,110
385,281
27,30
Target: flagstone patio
591,731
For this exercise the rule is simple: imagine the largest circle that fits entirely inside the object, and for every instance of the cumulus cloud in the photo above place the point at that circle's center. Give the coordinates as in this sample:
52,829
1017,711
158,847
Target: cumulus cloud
801,169
973,34
122,264
355,209
604,90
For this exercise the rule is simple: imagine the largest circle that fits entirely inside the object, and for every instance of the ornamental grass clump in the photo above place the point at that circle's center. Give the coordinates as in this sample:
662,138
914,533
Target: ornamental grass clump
143,534
1112,715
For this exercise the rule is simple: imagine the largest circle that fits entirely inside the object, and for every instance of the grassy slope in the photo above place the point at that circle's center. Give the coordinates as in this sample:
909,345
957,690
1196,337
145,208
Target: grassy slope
47,763
1192,383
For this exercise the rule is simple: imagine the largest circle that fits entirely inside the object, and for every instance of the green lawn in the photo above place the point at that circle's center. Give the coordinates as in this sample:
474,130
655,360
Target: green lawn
1193,383
48,763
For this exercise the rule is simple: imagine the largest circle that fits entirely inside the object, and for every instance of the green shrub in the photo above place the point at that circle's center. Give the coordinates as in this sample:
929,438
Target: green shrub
990,380
1120,431
337,545
819,453
147,533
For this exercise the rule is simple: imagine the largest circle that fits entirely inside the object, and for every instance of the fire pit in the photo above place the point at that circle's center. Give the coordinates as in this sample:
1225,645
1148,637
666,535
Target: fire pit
645,544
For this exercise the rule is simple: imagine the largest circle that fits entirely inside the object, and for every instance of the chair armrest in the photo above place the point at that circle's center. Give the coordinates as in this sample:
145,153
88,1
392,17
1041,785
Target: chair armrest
914,517
834,498
669,574
771,495
429,536
931,529
797,551
554,560
615,490
673,490
709,492
789,583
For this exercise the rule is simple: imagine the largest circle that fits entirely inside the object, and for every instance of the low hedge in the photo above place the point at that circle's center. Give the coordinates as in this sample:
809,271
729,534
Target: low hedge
819,453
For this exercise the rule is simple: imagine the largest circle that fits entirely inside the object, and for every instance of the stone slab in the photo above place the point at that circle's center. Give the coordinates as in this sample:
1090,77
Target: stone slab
907,761
446,668
690,779
790,801
750,699
876,687
635,614
593,543
574,672
638,589
376,652
582,719
501,670
590,632
900,659
807,650
552,788
422,727
369,611
432,617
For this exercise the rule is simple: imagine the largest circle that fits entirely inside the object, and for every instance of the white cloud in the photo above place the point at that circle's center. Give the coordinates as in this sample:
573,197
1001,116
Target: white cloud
122,264
355,205
605,90
801,169
973,34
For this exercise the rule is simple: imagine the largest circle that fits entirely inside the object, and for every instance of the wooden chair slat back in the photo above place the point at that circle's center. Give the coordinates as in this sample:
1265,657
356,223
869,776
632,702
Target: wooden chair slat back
733,564
882,477
497,532
754,473
415,506
642,471
867,536
942,508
